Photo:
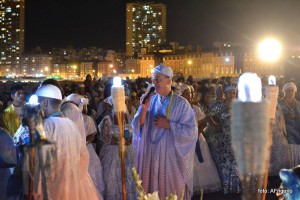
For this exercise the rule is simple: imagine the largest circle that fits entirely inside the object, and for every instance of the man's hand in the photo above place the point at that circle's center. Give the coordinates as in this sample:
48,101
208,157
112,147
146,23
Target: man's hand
147,103
161,122
144,108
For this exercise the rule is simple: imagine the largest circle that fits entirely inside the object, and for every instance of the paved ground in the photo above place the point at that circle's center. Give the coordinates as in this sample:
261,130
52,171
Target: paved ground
220,196
273,183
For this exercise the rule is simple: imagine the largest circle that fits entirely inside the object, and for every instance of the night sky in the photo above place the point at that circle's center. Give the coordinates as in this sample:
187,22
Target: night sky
101,23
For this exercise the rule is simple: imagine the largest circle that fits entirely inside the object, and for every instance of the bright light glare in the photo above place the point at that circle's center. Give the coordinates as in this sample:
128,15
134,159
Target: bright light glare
33,100
117,82
270,50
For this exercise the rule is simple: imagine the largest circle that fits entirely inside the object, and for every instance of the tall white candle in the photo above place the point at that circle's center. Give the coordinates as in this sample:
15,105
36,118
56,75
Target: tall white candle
118,95
250,126
272,95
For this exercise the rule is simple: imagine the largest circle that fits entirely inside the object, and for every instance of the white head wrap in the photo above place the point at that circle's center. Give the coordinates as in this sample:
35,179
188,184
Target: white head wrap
49,91
184,87
165,70
79,100
72,112
216,89
289,85
228,87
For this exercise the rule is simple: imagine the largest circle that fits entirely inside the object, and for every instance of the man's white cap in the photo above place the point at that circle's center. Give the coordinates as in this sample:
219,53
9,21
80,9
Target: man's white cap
162,69
49,91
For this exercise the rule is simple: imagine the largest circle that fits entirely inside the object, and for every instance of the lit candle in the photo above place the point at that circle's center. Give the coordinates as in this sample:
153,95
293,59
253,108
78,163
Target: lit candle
249,130
272,95
272,80
33,100
249,88
118,95
118,98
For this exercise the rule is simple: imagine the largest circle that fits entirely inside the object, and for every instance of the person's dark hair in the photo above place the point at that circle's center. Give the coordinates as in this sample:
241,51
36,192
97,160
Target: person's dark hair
215,81
55,103
203,91
107,90
55,83
88,75
15,89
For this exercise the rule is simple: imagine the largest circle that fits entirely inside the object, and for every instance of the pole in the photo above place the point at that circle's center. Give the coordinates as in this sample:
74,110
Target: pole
32,151
265,186
120,117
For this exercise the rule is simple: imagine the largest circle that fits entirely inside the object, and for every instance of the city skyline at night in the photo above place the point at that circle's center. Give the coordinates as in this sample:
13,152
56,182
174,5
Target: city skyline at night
76,38
103,23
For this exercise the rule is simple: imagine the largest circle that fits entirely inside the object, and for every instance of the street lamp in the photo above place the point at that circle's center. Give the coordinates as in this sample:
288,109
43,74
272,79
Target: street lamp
269,50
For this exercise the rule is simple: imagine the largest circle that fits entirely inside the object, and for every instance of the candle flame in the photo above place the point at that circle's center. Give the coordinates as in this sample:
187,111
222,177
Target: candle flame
249,88
272,80
117,82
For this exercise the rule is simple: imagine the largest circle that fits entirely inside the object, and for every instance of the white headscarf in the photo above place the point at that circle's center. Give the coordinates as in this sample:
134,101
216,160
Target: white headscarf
216,89
183,88
289,85
78,99
72,112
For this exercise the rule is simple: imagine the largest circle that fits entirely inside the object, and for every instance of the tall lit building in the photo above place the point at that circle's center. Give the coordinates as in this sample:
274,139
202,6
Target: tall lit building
145,27
11,35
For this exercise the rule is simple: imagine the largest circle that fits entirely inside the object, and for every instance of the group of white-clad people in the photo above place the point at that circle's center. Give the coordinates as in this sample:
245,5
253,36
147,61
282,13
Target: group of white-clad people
164,141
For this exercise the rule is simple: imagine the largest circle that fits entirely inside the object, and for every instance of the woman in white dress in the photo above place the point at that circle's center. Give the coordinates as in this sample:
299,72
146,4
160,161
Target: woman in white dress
205,174
95,167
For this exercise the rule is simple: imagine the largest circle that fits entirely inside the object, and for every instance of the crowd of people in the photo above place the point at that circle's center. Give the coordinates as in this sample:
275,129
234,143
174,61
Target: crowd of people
179,140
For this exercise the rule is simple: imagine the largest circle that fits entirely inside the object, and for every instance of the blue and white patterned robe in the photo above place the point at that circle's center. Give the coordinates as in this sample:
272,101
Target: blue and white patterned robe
164,157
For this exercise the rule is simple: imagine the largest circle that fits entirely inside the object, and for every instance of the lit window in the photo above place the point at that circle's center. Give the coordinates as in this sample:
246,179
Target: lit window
8,10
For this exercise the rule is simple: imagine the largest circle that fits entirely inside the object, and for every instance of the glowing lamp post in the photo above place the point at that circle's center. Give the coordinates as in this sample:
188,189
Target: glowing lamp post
250,134
118,98
269,50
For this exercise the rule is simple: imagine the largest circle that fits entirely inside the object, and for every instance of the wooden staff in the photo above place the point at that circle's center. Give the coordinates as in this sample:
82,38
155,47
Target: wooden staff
265,186
120,117
31,126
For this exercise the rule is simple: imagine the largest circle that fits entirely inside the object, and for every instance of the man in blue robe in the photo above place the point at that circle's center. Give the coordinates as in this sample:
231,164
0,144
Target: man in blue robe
164,139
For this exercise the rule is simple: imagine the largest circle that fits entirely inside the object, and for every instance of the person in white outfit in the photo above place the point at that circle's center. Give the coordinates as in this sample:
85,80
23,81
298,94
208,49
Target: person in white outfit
205,174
